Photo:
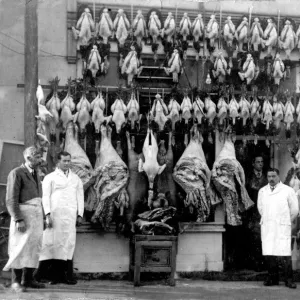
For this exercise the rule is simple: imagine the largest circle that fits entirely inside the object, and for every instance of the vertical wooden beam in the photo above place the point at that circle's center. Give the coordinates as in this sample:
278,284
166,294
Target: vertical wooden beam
31,71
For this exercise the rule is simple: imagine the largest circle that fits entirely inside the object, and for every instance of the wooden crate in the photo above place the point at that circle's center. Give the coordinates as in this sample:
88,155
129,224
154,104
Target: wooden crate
152,254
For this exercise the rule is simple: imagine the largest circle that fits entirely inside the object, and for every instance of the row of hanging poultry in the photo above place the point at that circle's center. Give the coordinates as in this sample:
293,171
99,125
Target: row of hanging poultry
266,110
243,33
246,33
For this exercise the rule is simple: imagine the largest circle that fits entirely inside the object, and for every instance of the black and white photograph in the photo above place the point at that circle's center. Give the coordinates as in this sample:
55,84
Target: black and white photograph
149,149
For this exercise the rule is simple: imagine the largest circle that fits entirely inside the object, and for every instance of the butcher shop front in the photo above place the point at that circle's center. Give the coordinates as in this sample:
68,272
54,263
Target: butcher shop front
172,112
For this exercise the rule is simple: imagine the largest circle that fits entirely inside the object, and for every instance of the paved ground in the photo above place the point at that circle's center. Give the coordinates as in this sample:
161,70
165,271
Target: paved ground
185,289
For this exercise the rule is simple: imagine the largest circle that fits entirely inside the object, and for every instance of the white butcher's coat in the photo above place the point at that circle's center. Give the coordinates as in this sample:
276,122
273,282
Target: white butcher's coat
63,198
277,209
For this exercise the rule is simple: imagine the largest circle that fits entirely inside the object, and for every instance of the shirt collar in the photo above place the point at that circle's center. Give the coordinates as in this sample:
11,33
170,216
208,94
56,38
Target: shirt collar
275,186
30,170
257,173
61,172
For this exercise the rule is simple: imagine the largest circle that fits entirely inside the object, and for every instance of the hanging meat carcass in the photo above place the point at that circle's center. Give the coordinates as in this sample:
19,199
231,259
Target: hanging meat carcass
43,114
174,109
193,175
186,107
159,111
165,183
83,112
267,113
220,68
105,26
137,185
245,109
212,32
80,164
98,106
94,63
43,119
154,27
270,36
112,178
131,64
150,166
229,32
210,108
289,111
139,27
67,107
168,31
197,32
278,112
175,65
222,110
278,69
185,30
185,26
133,109
228,184
42,135
233,109
198,107
118,110
169,27
68,100
84,28
288,39
53,105
121,27
248,71
40,94
256,34
241,33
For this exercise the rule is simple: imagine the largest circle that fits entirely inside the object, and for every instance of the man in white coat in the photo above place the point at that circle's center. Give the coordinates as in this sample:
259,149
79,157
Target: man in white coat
63,203
278,206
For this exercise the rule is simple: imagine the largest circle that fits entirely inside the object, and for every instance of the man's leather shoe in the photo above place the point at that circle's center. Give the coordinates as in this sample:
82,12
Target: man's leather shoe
34,285
17,288
291,285
270,282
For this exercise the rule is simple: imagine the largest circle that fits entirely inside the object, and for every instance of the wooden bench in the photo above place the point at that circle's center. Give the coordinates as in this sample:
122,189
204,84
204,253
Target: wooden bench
152,253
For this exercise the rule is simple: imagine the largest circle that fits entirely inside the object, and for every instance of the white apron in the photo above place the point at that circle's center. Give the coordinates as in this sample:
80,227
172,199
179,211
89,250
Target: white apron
63,194
24,247
277,209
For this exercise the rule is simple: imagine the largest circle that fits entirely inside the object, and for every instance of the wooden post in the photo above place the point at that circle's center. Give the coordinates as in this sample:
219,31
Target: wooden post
31,71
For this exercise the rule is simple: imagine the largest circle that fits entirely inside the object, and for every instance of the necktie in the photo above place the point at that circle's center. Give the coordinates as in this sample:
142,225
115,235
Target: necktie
34,176
272,188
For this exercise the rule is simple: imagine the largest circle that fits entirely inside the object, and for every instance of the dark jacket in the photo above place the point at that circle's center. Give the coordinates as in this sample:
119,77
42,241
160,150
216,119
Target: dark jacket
21,187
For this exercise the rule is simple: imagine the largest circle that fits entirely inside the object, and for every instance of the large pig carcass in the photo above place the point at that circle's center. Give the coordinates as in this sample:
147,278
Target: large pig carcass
193,175
111,180
80,163
228,184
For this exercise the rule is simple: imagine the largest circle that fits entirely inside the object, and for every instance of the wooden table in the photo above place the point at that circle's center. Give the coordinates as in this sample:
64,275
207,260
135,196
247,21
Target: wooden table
152,253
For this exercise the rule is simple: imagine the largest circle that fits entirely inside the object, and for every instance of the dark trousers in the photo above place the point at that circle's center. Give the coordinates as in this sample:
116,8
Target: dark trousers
54,270
22,276
273,267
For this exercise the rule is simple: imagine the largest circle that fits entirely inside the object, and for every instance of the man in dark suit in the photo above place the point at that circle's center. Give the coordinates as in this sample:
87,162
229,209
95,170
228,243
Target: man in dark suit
23,201
255,181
